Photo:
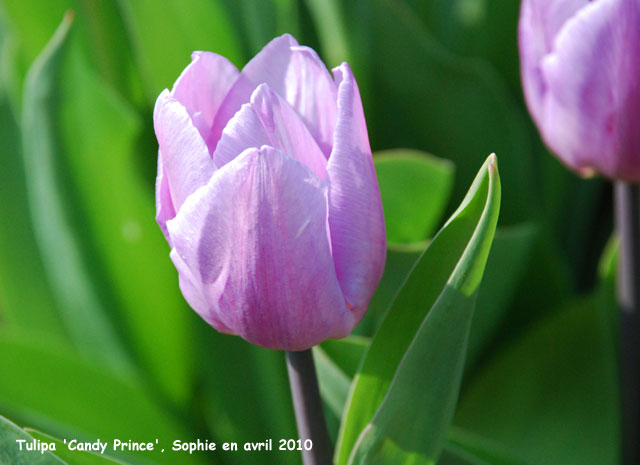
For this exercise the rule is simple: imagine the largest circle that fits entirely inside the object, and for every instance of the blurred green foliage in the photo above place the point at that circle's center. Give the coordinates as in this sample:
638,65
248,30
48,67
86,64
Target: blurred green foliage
95,338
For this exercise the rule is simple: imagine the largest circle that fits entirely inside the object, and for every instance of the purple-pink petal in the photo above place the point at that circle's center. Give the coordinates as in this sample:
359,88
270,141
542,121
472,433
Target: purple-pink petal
592,107
269,120
192,290
276,53
255,240
299,76
185,157
540,21
355,209
201,89
580,61
164,205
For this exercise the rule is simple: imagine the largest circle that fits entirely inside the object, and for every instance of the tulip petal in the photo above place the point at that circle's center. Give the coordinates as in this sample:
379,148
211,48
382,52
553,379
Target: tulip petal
544,19
185,157
355,209
191,289
255,239
296,74
164,205
299,76
540,21
202,87
276,53
244,131
269,120
592,105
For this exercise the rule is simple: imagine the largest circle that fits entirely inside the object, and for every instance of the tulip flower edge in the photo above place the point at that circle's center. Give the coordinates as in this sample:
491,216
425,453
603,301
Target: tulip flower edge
267,195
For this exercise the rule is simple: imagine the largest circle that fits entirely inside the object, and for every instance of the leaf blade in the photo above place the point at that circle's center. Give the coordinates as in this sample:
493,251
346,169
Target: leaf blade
453,261
52,210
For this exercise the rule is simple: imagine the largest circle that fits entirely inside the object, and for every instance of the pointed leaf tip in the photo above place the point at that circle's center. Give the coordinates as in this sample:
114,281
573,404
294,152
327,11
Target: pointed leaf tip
69,17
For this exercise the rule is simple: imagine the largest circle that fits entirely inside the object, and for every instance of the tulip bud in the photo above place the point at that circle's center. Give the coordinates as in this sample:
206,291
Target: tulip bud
267,195
580,63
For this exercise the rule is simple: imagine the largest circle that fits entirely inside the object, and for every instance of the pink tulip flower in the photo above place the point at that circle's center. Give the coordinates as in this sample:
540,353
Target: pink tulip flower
581,76
268,197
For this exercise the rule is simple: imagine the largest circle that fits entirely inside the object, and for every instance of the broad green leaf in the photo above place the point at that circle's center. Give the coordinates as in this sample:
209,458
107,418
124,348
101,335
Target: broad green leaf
247,395
48,386
164,37
558,381
415,188
107,48
54,211
74,457
27,303
104,43
10,453
114,224
128,241
432,311
10,73
33,22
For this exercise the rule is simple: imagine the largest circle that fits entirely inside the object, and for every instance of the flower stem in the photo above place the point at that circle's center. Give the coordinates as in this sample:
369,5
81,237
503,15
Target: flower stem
308,408
628,227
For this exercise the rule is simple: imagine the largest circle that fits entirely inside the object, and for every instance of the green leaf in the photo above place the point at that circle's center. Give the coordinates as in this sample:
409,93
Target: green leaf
54,211
394,413
10,452
558,381
113,225
48,386
32,22
23,302
106,47
415,188
128,242
104,42
182,29
247,394
10,73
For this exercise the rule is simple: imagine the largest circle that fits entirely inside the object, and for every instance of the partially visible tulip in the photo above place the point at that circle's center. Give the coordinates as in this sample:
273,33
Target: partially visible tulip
267,195
581,76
